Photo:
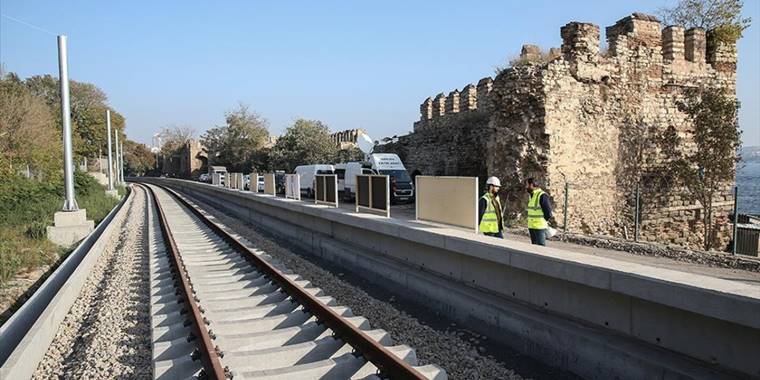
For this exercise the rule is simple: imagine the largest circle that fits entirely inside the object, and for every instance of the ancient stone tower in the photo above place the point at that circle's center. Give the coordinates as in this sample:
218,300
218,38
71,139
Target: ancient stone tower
581,116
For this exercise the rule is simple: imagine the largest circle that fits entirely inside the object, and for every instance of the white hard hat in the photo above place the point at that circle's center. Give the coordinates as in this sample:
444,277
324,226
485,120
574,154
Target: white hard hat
493,181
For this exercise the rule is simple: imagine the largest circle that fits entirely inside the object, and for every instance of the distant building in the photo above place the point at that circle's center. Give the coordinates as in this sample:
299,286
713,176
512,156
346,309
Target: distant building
187,162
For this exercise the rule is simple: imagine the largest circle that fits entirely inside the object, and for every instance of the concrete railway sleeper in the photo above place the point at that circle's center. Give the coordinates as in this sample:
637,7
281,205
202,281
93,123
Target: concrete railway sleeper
247,316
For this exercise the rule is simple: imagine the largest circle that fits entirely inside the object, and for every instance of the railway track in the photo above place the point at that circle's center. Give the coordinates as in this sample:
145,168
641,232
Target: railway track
221,308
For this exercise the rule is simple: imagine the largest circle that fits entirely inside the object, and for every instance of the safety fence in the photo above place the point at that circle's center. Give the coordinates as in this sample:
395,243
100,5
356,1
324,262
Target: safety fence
293,186
326,189
373,193
447,200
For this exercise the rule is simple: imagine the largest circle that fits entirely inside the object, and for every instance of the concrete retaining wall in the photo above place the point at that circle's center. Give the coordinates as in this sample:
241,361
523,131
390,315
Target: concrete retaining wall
597,317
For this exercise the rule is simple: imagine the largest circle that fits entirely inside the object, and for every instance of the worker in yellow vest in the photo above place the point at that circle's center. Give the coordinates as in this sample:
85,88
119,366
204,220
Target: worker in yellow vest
489,210
539,212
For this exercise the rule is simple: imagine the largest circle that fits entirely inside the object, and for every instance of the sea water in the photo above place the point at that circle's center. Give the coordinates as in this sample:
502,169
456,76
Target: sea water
748,181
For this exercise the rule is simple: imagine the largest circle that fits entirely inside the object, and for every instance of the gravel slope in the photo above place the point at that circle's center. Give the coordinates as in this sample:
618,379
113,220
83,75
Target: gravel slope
463,354
107,331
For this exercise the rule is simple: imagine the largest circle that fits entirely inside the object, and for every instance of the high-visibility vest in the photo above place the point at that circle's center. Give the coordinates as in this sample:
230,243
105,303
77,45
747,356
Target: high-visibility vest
536,219
490,221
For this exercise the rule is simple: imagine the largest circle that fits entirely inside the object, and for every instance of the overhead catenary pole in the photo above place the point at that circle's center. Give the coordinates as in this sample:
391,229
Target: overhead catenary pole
110,159
70,203
121,170
116,149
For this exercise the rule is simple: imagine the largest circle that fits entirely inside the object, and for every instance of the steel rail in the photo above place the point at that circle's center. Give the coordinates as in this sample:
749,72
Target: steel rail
212,364
387,363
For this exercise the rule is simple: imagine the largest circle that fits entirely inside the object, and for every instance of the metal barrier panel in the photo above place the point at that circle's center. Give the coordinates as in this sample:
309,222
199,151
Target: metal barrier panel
269,187
326,189
748,239
373,193
362,197
448,200
293,186
319,188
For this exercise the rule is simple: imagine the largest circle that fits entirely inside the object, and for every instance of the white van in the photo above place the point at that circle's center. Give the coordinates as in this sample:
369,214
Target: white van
352,169
340,171
306,176
402,188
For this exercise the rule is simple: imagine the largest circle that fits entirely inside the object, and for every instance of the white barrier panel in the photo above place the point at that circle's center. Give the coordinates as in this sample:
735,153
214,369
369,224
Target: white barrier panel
269,187
326,189
373,192
240,181
255,182
228,180
448,200
235,179
293,186
215,179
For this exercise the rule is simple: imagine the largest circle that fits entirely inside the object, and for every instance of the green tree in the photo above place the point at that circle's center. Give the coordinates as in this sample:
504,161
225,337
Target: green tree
306,142
88,108
26,136
240,144
138,159
349,155
707,167
175,137
722,16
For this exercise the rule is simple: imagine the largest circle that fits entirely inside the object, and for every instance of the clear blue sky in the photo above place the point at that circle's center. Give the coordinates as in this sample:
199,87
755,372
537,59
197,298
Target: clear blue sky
348,64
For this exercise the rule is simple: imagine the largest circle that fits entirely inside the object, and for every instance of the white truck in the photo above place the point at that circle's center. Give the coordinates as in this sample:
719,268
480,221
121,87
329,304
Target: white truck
350,171
402,188
306,175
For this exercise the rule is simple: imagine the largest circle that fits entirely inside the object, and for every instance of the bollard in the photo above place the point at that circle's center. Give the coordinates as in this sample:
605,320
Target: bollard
636,217
736,219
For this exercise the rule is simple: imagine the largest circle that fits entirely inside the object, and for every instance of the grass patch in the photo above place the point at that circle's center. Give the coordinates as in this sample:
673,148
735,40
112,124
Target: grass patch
27,207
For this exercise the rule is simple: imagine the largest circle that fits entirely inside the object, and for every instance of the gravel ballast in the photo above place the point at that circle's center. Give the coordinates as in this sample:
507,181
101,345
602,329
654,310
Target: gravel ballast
106,334
436,340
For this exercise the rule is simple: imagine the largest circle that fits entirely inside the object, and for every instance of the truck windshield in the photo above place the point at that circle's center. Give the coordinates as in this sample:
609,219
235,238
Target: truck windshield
399,175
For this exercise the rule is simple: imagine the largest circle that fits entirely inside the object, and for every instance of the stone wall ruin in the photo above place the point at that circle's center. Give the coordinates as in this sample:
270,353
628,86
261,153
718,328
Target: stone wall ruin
581,118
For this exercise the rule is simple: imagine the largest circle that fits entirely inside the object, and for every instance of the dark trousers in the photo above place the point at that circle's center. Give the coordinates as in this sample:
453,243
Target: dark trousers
537,237
499,234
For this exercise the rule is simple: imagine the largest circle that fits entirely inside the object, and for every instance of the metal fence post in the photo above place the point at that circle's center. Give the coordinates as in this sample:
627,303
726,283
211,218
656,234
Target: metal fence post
637,222
736,219
564,212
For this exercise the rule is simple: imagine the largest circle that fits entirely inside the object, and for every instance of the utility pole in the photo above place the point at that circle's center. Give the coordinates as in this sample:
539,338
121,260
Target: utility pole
110,159
70,204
